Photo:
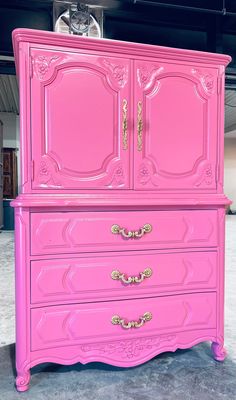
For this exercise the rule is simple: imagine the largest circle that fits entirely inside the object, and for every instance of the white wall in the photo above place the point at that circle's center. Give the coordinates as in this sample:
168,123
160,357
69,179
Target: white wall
9,129
230,168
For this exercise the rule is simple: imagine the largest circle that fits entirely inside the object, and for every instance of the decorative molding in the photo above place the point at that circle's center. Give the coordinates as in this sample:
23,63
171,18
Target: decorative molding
129,348
118,176
144,174
118,72
206,176
41,65
146,76
130,50
206,79
46,174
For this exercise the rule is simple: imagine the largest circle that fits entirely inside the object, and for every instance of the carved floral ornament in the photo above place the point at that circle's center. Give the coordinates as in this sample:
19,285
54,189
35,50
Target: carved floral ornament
144,174
147,75
46,174
206,176
118,72
41,65
206,79
118,176
130,348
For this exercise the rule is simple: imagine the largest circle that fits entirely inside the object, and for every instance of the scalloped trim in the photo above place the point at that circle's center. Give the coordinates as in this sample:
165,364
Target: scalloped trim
119,363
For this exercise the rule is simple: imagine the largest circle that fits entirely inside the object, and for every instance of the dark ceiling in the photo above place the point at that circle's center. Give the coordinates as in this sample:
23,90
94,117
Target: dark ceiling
208,25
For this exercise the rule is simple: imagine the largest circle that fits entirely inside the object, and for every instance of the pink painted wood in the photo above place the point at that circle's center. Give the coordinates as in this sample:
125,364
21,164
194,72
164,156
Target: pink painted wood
72,232
88,323
168,126
92,156
89,278
66,159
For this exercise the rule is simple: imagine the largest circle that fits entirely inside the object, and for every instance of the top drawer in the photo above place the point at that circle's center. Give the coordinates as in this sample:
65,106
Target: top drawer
72,232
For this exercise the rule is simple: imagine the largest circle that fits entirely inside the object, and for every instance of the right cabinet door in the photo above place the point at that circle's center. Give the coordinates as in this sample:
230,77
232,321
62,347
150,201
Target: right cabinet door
176,127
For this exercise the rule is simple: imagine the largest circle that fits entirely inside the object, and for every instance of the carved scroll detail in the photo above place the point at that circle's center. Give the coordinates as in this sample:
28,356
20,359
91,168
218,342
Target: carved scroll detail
42,64
118,176
206,79
118,72
46,174
206,176
146,76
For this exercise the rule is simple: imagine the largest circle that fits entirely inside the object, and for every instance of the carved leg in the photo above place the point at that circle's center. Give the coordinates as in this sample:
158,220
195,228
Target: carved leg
218,351
22,299
22,380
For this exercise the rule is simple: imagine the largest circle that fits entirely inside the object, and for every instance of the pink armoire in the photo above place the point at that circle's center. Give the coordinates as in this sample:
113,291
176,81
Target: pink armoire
120,221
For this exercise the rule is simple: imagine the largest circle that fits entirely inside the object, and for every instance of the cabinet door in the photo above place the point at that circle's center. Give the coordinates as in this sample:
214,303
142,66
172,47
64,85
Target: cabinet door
80,114
176,127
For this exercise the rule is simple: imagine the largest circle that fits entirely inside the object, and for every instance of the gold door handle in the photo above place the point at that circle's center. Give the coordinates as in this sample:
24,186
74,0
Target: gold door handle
116,320
116,229
125,125
117,275
140,126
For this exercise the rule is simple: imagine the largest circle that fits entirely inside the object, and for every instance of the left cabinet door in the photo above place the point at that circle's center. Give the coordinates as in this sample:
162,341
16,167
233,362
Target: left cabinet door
80,107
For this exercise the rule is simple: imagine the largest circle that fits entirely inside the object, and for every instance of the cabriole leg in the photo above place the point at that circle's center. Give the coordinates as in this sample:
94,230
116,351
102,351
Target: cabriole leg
22,380
218,351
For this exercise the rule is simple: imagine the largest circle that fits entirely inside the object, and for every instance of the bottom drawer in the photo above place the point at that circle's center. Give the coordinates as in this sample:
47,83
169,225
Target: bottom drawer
87,323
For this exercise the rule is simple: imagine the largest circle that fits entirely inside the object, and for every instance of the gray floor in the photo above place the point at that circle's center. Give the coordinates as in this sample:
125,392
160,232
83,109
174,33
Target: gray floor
183,375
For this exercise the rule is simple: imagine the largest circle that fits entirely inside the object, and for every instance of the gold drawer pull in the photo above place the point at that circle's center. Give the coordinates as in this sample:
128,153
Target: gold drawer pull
116,229
125,125
116,320
117,275
140,127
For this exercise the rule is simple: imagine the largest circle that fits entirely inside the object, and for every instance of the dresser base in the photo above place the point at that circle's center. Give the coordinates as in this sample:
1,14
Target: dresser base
120,353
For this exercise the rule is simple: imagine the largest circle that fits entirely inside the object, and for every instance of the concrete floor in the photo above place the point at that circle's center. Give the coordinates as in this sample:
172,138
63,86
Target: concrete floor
184,375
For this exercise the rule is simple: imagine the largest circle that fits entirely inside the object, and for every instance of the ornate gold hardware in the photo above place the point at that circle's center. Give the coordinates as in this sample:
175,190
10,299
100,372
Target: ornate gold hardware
140,127
116,229
116,320
125,125
117,275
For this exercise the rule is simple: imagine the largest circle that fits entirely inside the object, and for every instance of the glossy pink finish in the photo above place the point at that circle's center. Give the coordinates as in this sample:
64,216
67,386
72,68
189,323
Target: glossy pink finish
89,278
168,126
68,82
60,73
86,323
81,174
82,231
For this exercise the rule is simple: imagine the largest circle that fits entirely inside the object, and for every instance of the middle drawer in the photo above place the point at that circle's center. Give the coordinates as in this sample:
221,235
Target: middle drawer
121,275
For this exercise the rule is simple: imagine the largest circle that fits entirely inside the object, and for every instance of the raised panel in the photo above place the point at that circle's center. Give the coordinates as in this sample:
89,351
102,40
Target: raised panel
77,120
173,128
90,278
69,232
83,323
176,149
84,153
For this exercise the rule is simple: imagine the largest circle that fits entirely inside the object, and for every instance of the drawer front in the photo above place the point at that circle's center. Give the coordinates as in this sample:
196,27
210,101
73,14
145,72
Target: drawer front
71,232
89,278
83,323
